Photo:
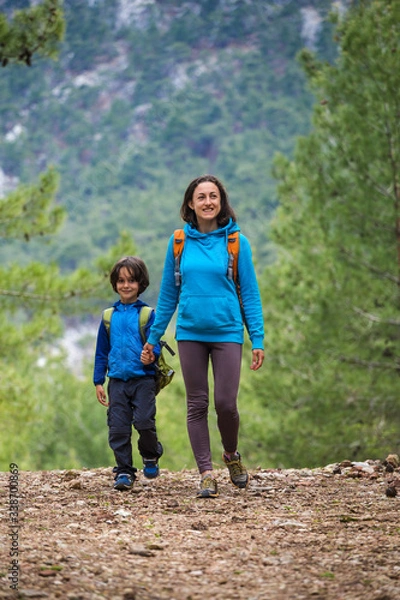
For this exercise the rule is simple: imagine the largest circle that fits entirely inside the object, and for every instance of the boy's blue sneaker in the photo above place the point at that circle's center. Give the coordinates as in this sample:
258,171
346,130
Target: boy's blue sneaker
150,468
123,482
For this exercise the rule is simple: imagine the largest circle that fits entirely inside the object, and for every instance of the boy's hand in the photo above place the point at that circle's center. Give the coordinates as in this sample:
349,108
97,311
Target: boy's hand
147,355
101,395
257,359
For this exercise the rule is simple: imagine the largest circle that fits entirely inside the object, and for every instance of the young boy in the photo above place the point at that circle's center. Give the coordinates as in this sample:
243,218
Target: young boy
131,375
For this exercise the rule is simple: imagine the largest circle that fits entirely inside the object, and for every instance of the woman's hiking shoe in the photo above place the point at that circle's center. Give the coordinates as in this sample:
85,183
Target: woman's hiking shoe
237,471
150,468
208,487
123,482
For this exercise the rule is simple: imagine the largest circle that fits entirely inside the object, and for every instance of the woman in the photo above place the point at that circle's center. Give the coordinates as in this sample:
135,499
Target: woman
210,323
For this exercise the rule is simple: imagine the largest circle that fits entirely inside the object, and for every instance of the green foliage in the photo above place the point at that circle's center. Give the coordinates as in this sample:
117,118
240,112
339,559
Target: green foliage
52,421
89,22
34,299
27,211
331,299
127,116
131,113
35,30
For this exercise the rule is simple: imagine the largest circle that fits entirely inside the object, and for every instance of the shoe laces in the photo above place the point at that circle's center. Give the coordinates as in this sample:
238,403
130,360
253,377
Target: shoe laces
236,467
207,482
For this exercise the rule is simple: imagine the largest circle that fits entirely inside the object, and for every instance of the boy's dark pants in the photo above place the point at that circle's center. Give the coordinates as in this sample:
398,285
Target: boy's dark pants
132,402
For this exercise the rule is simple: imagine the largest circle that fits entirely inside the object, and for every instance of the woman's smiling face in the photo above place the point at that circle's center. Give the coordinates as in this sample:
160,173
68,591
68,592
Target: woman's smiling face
206,204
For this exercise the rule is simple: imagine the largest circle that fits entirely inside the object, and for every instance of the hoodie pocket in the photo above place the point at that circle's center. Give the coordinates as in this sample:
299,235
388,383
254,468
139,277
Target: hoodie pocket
201,313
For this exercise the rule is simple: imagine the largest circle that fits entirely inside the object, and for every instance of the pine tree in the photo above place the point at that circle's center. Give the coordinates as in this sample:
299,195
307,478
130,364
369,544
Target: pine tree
332,297
35,297
37,30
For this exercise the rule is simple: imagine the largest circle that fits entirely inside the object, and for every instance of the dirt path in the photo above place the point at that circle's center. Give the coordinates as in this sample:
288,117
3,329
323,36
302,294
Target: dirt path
293,534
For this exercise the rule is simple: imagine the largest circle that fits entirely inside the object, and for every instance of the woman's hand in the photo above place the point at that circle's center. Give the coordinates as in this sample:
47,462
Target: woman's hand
101,395
257,359
147,355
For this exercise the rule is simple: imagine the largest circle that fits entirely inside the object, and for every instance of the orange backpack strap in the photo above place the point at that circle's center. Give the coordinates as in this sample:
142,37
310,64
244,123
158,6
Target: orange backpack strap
233,252
179,242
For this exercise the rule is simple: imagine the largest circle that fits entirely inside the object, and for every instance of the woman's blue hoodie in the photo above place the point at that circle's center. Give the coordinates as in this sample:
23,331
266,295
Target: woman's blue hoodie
209,309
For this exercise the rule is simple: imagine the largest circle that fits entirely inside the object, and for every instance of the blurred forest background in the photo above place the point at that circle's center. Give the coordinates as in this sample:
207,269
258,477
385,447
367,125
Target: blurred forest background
108,109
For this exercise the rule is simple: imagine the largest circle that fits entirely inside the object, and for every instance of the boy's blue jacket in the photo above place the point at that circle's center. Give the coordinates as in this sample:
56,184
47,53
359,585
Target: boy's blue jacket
118,355
209,309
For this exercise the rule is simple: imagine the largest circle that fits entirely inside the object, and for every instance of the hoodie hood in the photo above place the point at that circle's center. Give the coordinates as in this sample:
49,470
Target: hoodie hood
225,231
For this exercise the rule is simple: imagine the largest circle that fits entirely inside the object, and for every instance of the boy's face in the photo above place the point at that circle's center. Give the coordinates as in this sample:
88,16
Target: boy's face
127,287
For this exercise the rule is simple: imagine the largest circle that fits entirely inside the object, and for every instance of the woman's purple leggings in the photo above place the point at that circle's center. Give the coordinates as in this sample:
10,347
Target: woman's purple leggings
226,361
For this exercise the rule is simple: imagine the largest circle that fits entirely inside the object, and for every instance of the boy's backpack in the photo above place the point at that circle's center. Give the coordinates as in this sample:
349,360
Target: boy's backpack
233,253
164,373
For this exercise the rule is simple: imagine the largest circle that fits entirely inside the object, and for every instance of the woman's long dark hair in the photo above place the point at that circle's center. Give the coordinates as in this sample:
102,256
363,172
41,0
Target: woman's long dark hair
189,216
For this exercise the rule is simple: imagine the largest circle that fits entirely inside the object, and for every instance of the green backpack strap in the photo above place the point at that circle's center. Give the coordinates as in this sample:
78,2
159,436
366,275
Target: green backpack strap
164,373
144,317
107,314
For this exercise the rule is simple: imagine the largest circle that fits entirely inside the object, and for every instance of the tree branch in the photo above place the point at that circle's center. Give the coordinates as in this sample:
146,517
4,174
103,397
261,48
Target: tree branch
372,268
375,318
370,364
48,297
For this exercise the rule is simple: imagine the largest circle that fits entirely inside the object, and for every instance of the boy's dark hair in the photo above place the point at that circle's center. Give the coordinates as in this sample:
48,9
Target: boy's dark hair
137,270
189,216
